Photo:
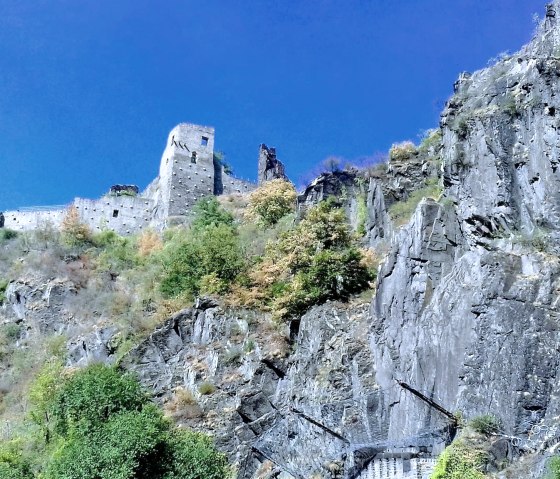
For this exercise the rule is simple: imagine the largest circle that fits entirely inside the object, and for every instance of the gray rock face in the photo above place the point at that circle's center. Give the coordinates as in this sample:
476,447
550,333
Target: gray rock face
270,167
257,387
467,303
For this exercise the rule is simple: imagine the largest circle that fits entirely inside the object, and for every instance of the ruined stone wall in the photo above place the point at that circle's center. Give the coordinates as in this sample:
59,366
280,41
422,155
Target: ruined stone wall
232,185
27,219
270,167
123,214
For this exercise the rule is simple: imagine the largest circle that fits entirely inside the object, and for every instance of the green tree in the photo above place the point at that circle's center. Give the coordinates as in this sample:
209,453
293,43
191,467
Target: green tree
108,429
317,260
212,251
93,395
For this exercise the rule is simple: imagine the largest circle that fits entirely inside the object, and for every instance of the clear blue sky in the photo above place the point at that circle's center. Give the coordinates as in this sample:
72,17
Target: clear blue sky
89,89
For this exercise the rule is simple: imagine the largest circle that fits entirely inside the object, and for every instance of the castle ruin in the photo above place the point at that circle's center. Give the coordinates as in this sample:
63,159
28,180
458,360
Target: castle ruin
189,171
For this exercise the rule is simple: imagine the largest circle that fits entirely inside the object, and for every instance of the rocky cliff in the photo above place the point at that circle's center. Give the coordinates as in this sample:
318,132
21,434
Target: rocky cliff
466,307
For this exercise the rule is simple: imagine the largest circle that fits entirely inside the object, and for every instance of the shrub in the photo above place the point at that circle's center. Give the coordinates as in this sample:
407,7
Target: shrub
206,388
74,231
553,467
194,457
401,211
112,431
12,463
486,424
361,214
208,212
7,234
271,202
94,394
461,127
402,151
460,461
149,242
117,253
315,261
432,141
126,446
3,287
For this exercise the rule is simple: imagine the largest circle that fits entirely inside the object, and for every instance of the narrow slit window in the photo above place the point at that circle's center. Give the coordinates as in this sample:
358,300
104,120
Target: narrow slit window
115,213
204,141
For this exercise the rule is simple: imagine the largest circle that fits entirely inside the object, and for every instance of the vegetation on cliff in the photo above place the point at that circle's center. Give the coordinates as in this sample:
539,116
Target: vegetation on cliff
97,422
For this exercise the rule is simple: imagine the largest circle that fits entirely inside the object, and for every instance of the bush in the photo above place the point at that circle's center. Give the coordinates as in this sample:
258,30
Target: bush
271,202
460,461
315,261
12,463
118,253
402,151
126,445
194,457
108,429
149,242
208,212
432,141
91,396
361,214
3,287
553,467
486,424
7,234
206,388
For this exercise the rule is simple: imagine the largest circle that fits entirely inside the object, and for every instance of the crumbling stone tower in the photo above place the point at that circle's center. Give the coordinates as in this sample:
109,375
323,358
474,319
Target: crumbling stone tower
187,170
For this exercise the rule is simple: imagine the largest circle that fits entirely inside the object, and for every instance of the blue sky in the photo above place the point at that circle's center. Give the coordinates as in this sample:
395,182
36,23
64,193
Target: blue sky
89,89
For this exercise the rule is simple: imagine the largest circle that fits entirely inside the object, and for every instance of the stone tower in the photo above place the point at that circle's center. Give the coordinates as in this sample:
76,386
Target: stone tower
187,170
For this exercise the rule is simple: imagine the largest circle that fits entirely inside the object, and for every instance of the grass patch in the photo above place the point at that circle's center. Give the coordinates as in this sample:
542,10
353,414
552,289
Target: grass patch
401,211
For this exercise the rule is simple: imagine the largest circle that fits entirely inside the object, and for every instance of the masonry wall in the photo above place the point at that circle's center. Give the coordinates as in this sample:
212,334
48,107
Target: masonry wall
28,219
123,214
231,184
399,468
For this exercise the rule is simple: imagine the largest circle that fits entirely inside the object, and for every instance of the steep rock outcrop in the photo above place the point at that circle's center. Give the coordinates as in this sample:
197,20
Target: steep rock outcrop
270,167
467,303
256,383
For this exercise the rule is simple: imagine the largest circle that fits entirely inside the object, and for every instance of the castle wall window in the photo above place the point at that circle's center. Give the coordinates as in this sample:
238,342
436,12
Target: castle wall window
115,213
204,141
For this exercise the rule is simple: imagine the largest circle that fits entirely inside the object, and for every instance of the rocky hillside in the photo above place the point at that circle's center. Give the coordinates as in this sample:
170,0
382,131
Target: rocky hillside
466,309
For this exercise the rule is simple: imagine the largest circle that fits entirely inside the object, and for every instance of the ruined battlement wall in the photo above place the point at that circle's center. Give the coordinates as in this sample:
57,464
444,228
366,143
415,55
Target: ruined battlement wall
123,214
232,185
28,219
